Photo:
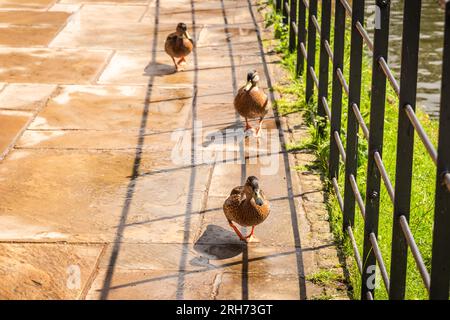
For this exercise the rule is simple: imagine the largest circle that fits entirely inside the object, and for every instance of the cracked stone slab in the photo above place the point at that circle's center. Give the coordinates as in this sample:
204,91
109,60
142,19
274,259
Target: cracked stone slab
50,66
115,108
46,271
25,96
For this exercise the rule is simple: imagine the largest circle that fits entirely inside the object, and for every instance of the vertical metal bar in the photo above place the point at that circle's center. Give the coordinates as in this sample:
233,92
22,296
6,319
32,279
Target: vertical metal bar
375,145
278,5
311,49
440,262
336,100
405,146
301,26
293,19
324,58
354,97
284,11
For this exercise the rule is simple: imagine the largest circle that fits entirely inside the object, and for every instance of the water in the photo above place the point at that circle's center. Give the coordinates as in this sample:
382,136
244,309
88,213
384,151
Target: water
430,50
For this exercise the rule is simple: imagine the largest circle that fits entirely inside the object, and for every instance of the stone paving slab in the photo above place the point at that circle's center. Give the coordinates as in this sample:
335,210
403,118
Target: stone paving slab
25,96
47,269
26,4
102,198
112,2
114,108
154,285
50,66
12,123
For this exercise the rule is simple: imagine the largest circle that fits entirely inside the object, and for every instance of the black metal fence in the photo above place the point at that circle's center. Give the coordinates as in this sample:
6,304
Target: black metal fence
302,38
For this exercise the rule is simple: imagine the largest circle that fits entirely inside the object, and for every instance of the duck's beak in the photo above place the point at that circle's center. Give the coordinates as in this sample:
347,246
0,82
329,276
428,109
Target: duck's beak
258,200
248,86
187,35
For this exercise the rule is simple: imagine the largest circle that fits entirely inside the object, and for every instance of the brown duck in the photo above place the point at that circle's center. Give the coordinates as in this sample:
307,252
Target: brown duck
251,101
178,45
247,206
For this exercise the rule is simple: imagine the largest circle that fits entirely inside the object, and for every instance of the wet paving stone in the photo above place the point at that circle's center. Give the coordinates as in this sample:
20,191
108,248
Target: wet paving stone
50,66
46,271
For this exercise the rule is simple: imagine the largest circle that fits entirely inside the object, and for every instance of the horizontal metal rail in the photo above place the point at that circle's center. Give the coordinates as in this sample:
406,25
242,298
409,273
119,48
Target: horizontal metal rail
379,257
384,175
306,3
447,180
339,144
303,50
326,107
364,35
387,71
415,252
294,27
355,248
359,199
314,76
347,7
329,51
287,8
316,24
421,133
338,193
342,80
360,120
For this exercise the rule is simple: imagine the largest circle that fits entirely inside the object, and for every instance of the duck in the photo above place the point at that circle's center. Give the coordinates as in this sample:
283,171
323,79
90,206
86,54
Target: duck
252,102
247,206
179,44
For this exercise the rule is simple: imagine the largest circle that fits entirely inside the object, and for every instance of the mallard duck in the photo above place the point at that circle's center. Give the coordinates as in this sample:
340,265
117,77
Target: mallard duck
178,45
251,101
247,206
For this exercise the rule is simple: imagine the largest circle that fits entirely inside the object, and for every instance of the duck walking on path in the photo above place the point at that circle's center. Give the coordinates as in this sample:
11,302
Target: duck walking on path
247,206
178,45
251,101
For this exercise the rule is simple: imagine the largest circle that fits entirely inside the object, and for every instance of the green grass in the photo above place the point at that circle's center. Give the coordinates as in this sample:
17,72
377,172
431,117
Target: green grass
325,277
423,183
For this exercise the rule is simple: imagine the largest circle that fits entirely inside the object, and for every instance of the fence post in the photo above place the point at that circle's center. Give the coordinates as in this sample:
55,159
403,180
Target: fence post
440,263
354,97
301,37
377,106
285,14
405,146
324,60
336,100
278,5
311,49
292,22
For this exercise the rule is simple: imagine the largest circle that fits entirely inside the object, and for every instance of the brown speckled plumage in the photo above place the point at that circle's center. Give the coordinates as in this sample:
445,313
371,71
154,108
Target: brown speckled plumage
252,103
240,206
178,46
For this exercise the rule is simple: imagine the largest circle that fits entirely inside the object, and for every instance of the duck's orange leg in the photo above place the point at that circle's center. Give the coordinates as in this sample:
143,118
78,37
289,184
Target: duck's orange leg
237,231
251,233
258,130
182,59
247,125
175,63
